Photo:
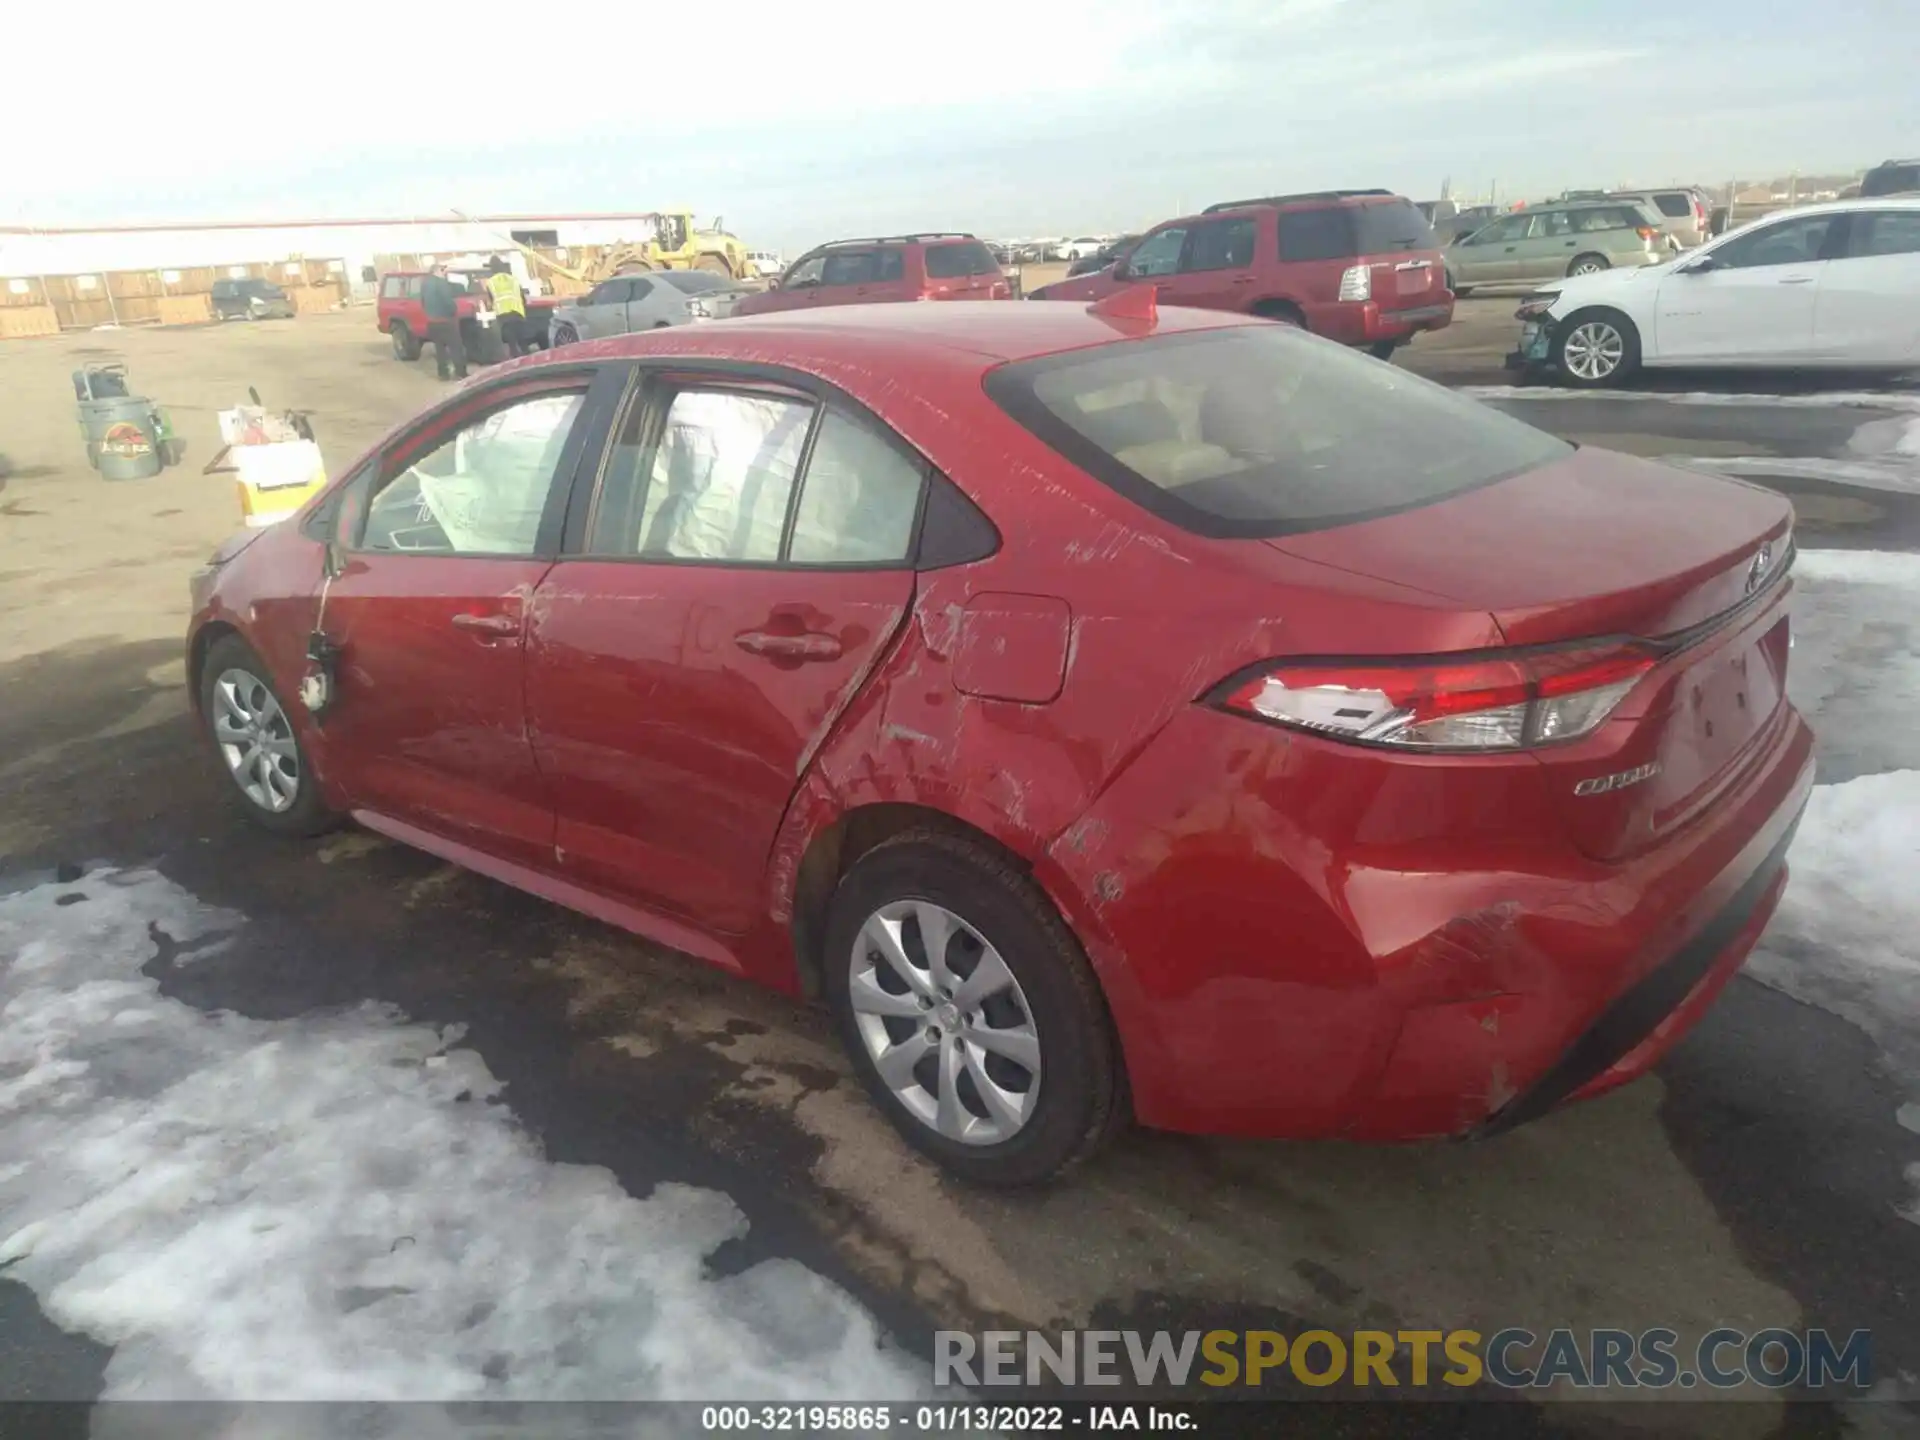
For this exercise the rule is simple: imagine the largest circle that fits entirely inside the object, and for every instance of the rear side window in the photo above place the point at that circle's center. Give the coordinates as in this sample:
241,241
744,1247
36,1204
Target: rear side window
1262,430
1316,234
1389,226
968,257
1222,244
1884,232
1891,180
861,267
1674,206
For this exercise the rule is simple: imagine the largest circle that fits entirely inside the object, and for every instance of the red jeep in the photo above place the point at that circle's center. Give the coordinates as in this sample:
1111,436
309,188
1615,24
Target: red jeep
898,267
399,314
1358,266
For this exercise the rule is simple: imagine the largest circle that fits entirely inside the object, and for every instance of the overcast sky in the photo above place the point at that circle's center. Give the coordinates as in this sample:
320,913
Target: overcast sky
800,122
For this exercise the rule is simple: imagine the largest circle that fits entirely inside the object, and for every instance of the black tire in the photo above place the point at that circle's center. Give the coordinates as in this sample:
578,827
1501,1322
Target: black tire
564,334
1282,313
1588,264
1581,329
1383,349
1461,292
308,814
1082,1094
406,345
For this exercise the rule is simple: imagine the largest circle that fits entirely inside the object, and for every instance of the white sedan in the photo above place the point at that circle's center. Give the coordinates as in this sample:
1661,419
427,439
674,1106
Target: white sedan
1829,286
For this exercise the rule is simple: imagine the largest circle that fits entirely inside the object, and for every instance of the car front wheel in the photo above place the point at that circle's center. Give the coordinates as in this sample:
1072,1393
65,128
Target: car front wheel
968,1010
564,334
1595,348
253,735
406,345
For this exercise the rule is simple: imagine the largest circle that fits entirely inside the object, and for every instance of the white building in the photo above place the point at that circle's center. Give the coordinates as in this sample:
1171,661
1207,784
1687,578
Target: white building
358,246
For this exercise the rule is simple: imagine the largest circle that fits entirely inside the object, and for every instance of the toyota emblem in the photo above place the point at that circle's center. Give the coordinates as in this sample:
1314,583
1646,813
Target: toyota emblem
1758,566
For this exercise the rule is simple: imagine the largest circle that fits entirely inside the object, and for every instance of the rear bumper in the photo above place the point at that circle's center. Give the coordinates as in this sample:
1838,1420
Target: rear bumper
1323,945
1369,322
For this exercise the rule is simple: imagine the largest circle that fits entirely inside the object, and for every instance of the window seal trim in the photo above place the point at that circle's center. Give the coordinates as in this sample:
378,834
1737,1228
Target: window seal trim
1009,385
653,375
454,411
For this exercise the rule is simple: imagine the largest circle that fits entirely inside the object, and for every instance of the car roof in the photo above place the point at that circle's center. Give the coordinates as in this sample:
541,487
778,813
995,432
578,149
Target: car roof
915,239
1317,198
830,338
1838,207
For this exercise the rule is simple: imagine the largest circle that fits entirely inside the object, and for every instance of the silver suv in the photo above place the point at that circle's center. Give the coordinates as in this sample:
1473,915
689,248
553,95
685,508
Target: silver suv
1683,214
1546,242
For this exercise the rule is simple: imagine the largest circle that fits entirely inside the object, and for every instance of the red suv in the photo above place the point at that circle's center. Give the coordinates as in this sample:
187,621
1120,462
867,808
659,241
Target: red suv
871,272
399,314
1358,266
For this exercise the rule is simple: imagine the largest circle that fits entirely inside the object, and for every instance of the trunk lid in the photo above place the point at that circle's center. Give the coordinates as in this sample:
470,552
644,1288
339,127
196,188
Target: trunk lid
1603,545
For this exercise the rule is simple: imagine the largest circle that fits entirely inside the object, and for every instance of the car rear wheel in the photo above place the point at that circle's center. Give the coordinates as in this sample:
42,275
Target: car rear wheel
1588,265
564,334
1596,348
968,1010
252,734
1383,349
1282,313
406,345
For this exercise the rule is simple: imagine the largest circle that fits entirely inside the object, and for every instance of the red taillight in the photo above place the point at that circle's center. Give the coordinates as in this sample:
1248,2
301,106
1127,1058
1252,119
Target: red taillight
1495,702
1649,232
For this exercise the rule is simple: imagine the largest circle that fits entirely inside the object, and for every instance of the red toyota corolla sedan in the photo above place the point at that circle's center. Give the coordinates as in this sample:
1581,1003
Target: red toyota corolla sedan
1108,713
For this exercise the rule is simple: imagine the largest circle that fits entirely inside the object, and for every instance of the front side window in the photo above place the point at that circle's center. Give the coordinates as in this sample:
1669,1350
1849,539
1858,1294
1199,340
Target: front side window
805,272
1790,242
1501,232
1222,245
1260,430
391,286
607,292
1159,253
480,490
1884,232
857,500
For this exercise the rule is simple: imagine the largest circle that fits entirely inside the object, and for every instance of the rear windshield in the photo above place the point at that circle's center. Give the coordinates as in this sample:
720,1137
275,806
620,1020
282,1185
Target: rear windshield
1391,225
1674,205
1341,232
695,282
969,257
1262,429
1891,180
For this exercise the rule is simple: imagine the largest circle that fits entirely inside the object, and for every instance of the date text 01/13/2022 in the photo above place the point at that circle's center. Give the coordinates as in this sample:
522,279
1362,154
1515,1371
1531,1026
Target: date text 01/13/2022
942,1418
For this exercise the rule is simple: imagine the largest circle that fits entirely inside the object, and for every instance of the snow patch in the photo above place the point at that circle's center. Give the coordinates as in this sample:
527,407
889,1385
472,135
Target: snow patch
1881,455
331,1208
1847,935
1855,668
1831,399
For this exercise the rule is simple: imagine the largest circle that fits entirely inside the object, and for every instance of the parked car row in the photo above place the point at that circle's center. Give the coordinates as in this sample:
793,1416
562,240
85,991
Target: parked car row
1833,286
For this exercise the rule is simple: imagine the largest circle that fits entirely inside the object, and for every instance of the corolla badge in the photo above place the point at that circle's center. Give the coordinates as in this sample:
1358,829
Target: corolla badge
1758,567
1605,784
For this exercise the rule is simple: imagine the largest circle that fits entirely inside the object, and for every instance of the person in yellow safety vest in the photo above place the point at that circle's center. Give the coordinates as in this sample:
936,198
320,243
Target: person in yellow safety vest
510,304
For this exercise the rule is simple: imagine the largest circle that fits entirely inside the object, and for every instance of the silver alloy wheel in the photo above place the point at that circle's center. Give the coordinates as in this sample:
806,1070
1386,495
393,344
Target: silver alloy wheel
256,740
945,1022
1588,267
1594,350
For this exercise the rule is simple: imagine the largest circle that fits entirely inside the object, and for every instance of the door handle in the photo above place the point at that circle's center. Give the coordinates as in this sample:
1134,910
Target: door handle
1570,244
1797,280
501,625
812,645
1245,280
